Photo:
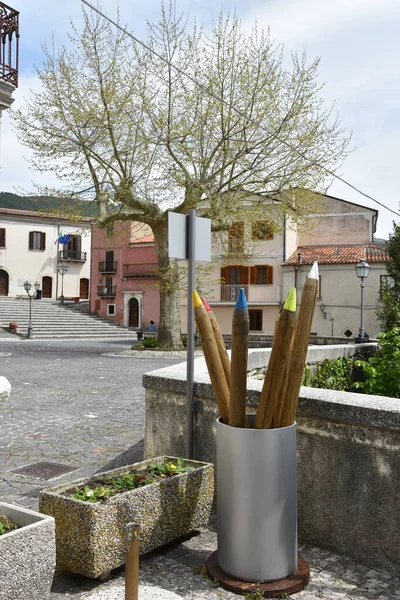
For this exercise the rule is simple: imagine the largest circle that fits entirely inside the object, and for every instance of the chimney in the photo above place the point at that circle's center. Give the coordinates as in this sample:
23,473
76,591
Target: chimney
299,258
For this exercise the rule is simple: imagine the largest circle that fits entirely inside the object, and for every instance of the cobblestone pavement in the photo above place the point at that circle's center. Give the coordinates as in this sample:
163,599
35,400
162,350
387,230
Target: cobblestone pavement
81,403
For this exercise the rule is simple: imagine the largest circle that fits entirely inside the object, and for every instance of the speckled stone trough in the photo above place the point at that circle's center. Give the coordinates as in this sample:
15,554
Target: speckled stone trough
27,555
90,537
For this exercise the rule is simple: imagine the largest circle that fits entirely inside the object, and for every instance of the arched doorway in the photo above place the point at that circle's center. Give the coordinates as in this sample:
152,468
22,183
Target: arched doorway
133,312
84,288
47,286
3,283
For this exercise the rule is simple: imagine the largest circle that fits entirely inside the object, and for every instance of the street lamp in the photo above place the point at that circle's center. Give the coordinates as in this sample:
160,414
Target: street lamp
27,288
362,269
62,269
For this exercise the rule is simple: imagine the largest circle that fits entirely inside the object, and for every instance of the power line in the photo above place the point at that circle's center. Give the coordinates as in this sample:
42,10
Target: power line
238,111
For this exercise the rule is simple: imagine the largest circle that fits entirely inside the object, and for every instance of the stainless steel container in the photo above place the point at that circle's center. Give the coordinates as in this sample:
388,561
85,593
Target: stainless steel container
257,502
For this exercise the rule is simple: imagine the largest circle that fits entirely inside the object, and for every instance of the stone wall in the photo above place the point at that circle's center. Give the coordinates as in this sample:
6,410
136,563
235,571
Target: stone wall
348,454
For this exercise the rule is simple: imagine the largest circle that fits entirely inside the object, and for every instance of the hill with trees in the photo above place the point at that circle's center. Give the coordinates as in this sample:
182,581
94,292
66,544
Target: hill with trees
46,204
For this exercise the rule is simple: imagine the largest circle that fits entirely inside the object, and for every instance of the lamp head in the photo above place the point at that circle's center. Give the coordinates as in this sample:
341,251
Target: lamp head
362,269
36,285
27,286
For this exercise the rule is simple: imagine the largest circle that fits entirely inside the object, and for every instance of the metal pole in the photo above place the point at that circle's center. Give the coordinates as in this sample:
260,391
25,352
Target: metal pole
62,289
30,317
132,562
362,309
191,244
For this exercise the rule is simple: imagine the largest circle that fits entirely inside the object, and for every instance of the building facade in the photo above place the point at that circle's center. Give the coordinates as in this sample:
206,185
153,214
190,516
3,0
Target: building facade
31,250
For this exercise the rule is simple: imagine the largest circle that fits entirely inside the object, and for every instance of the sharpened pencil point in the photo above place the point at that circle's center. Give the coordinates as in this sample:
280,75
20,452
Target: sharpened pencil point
313,274
290,302
206,305
241,302
196,299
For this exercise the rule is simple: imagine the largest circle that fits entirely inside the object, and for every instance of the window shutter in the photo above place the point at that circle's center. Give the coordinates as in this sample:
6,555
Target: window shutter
224,275
31,240
42,241
2,238
78,246
244,275
253,275
269,275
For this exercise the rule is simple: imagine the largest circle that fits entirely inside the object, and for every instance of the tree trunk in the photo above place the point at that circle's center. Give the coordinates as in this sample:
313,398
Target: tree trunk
169,328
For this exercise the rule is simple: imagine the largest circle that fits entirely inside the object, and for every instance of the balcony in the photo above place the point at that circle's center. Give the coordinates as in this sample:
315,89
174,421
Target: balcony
108,267
9,44
143,270
106,292
262,294
72,256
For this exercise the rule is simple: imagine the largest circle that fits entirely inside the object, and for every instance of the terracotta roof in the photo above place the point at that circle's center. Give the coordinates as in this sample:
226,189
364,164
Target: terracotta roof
148,239
326,255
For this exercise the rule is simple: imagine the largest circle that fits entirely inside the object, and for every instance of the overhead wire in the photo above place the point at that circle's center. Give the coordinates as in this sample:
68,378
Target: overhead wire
238,111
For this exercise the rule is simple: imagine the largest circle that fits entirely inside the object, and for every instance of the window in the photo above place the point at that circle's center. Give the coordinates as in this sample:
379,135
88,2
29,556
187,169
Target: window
261,275
37,240
235,275
319,287
255,320
111,309
74,247
2,238
236,238
262,230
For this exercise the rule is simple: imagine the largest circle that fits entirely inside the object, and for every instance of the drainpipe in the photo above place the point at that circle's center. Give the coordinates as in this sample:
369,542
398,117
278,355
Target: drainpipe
57,260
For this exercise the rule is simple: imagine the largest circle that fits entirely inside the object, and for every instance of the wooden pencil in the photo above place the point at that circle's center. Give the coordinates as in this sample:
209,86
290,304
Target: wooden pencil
275,376
226,363
300,346
212,357
240,343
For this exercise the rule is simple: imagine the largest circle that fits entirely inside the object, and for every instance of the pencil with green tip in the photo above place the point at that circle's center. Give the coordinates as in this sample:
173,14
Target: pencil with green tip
212,357
300,346
240,343
280,354
226,363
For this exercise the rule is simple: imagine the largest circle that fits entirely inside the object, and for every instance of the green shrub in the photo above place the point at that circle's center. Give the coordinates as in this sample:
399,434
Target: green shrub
150,342
382,371
330,374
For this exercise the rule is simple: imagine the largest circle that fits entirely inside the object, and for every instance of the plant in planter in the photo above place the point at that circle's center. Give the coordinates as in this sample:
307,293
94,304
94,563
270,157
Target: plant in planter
91,514
13,326
28,553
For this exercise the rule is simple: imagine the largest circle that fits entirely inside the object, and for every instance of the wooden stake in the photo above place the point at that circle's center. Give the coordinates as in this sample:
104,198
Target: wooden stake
300,346
240,343
275,376
226,363
212,357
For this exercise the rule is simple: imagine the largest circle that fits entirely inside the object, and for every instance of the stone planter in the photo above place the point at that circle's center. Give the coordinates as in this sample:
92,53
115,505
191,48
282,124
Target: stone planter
27,555
12,327
90,537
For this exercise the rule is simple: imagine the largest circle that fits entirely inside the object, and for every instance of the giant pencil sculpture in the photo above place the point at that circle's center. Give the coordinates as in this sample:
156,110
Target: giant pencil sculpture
226,363
240,343
275,376
212,357
299,354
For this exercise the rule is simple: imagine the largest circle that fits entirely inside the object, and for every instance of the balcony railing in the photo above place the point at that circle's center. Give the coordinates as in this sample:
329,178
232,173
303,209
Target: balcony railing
229,293
256,293
106,292
72,256
9,44
107,267
143,270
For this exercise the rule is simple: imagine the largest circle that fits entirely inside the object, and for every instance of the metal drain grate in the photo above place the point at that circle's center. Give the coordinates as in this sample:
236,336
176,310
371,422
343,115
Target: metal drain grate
44,470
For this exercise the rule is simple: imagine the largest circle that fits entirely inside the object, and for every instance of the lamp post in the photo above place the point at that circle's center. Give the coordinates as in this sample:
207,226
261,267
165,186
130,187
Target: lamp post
362,269
27,288
62,269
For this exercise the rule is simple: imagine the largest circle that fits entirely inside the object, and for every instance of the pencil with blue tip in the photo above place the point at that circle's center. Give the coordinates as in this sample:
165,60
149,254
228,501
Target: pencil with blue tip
276,371
240,344
212,357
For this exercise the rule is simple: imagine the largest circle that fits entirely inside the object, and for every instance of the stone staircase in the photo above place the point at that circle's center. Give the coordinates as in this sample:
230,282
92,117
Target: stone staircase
52,321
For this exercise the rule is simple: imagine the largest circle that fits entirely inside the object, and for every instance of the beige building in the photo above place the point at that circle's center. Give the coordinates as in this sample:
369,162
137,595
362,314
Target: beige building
267,264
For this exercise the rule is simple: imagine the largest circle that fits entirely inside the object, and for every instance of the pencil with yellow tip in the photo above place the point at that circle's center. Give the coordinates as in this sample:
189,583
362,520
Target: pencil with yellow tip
280,354
226,363
240,343
300,346
212,357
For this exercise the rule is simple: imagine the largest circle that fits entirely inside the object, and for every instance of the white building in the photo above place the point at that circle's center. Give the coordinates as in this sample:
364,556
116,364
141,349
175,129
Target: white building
30,250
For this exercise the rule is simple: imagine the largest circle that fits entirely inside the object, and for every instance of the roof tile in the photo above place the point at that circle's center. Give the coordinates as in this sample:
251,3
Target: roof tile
338,254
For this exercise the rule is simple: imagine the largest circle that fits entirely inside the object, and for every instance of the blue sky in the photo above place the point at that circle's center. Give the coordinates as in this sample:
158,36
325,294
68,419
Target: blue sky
357,41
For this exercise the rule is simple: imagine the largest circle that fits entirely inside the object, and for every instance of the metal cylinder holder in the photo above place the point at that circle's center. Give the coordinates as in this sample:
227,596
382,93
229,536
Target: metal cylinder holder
257,502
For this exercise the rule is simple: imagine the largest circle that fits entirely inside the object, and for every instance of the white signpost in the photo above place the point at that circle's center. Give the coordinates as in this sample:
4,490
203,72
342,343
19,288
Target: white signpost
189,237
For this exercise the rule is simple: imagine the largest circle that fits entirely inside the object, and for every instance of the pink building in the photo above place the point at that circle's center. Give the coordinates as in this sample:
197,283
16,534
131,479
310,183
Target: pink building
124,275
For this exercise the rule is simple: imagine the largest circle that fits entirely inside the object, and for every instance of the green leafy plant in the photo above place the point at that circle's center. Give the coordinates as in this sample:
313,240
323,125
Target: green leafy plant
254,595
330,374
150,342
6,525
382,371
102,488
